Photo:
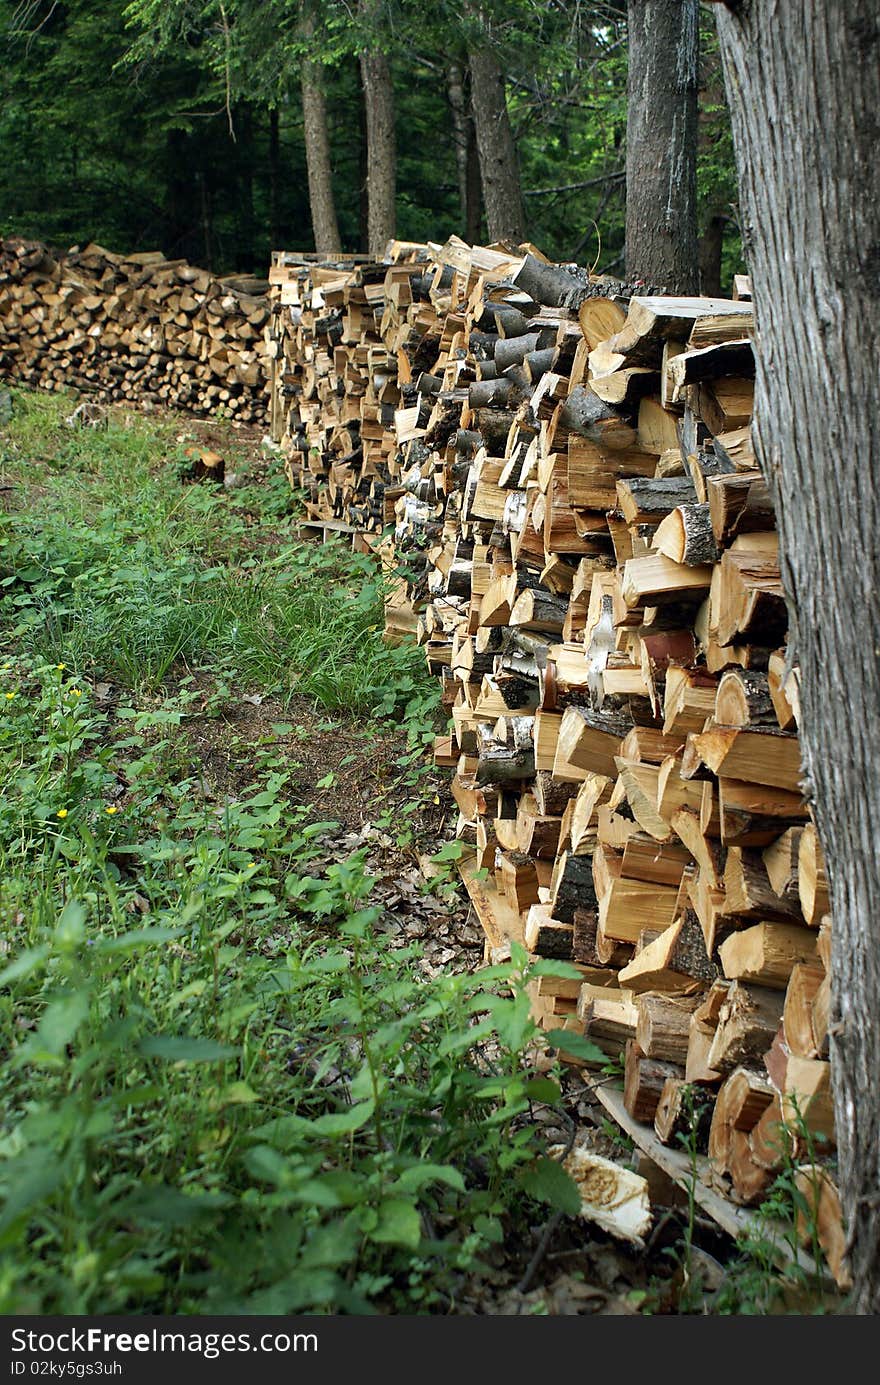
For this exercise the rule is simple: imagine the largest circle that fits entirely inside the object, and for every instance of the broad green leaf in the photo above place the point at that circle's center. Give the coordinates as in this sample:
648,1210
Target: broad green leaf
417,1177
546,966
331,1245
547,1181
286,1132
345,1122
23,965
267,1165
576,1045
181,1048
139,937
490,1228
399,1224
57,1028
169,1206
136,1096
449,851
237,1094
70,928
31,1177
318,829
316,1192
542,1089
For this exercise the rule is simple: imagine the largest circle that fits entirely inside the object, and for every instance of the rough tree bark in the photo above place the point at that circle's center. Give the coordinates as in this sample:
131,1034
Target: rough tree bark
381,147
711,248
363,171
661,144
466,160
318,164
499,169
803,83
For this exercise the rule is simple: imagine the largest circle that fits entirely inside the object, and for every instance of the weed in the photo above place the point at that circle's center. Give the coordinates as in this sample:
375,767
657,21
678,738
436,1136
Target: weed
754,1283
221,1091
695,1105
111,570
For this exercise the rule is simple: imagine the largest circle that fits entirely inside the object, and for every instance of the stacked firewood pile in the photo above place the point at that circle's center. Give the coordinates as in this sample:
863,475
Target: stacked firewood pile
134,329
600,595
340,380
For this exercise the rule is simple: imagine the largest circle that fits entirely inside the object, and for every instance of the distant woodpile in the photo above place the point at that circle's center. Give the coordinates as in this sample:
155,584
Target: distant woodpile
138,329
569,467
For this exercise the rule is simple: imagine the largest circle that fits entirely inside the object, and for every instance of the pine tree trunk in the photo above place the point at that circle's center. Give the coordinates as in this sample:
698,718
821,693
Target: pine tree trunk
499,171
466,160
803,83
710,251
381,151
363,172
473,188
317,140
661,144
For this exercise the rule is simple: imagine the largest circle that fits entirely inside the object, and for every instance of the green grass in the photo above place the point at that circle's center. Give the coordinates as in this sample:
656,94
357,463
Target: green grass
221,1091
116,568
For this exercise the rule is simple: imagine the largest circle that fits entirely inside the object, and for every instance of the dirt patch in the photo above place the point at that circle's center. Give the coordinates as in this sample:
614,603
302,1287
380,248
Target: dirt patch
337,768
347,775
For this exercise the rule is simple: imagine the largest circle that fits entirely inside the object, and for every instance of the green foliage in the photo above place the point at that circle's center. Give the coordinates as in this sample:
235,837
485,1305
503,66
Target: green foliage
716,165
207,1114
178,122
112,570
137,156
768,1273
755,1283
221,1091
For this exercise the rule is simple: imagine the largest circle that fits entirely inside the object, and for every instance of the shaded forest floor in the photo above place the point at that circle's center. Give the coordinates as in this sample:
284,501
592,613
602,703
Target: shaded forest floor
250,1062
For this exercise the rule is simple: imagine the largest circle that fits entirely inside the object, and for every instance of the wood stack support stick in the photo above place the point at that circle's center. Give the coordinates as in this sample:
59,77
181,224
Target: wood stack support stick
134,329
569,468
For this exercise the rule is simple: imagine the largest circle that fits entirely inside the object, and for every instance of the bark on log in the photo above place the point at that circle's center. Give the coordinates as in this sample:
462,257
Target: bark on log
549,284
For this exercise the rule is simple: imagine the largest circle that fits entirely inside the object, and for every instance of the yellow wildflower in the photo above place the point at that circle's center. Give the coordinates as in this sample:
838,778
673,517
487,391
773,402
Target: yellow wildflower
76,692
10,696
61,667
62,813
111,810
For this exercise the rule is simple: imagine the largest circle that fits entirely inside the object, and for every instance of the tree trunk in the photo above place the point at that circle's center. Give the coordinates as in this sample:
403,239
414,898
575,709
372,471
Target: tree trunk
466,160
363,172
711,248
317,140
473,204
661,144
803,83
499,171
381,151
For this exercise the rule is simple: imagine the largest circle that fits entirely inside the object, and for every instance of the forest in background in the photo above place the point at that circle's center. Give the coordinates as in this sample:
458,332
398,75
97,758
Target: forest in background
179,124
